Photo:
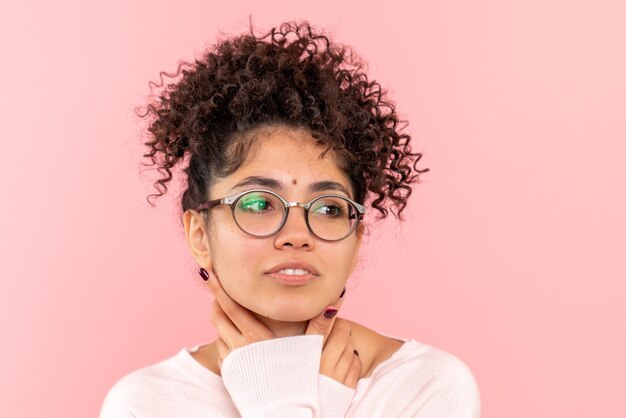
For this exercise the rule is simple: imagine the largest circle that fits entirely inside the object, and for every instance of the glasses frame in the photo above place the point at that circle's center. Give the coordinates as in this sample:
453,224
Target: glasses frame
233,199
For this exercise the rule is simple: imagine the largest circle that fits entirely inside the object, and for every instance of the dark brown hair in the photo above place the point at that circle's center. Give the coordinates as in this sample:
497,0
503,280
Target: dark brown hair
293,75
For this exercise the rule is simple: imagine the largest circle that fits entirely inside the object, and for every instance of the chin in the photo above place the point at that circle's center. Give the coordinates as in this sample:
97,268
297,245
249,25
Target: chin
288,317
290,312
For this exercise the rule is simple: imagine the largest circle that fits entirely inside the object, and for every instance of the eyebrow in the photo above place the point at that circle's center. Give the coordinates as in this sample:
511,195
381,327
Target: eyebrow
271,183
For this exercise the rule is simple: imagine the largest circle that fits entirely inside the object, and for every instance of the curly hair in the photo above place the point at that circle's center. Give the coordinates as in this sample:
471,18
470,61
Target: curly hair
309,82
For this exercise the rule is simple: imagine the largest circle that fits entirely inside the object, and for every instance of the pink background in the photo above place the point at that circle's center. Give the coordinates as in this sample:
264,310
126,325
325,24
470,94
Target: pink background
512,258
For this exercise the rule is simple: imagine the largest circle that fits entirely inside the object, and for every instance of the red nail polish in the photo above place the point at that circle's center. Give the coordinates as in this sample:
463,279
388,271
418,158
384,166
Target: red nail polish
342,293
330,312
203,273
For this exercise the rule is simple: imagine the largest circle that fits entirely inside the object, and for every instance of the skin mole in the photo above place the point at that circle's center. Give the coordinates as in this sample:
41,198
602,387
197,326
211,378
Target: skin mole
294,181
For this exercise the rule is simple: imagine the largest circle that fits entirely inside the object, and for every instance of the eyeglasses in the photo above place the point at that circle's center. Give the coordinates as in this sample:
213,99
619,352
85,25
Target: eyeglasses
262,213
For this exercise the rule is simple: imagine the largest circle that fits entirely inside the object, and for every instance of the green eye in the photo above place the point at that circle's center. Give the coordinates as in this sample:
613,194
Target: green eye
254,203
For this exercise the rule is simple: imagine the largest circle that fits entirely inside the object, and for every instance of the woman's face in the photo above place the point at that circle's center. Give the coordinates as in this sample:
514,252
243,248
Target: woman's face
241,261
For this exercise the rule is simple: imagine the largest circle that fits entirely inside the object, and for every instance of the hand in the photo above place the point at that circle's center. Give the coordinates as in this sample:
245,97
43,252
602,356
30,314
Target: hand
237,327
339,359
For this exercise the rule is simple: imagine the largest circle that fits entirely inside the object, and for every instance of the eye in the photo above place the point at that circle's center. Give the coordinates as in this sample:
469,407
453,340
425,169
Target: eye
255,203
330,208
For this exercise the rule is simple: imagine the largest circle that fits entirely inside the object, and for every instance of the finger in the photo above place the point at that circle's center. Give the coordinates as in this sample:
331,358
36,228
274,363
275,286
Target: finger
332,321
354,373
226,330
250,327
339,301
345,361
222,349
332,352
323,323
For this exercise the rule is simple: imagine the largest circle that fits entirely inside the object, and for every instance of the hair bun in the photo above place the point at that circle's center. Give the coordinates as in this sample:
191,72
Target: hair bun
179,147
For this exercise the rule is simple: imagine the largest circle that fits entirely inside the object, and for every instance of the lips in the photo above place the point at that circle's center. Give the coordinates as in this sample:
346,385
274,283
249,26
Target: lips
294,265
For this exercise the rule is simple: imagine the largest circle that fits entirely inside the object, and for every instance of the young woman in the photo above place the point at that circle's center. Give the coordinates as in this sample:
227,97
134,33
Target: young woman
286,139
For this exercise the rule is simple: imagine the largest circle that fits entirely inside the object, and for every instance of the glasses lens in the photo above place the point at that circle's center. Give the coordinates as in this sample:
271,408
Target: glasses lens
259,213
332,218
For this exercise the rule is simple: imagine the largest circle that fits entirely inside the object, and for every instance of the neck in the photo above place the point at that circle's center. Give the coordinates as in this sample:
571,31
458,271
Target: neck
282,328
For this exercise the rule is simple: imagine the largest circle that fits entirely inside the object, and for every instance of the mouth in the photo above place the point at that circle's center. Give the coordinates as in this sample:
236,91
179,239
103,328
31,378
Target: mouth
293,277
294,273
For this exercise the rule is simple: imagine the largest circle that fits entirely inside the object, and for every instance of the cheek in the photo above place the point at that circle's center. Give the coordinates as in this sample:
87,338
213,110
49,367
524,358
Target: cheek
237,260
337,261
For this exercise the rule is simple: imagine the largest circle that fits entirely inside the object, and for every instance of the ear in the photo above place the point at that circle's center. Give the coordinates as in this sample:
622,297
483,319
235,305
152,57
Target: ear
197,238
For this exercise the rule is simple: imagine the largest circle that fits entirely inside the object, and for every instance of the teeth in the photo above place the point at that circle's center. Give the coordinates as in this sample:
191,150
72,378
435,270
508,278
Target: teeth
294,272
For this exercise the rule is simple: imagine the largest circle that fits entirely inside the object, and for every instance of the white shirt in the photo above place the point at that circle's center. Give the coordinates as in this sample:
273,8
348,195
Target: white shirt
280,378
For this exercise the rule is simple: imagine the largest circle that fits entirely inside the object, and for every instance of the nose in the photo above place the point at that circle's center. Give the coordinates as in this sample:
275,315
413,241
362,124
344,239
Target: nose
295,231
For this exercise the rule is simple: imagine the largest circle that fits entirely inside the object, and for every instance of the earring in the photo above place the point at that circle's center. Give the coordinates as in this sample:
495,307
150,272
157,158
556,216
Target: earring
203,273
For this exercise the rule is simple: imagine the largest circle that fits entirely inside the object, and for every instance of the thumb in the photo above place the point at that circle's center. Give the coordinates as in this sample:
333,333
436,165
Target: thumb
322,324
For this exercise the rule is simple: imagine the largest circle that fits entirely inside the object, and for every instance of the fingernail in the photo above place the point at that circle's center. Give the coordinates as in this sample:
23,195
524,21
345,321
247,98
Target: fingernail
357,353
342,293
203,273
330,312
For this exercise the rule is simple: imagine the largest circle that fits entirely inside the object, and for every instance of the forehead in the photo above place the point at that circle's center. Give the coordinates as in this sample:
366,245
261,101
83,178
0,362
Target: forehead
289,155
291,147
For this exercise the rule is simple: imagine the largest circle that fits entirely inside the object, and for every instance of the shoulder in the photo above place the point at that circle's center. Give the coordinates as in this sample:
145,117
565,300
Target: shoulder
406,374
129,387
455,388
148,382
432,380
449,373
176,386
373,348
118,401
